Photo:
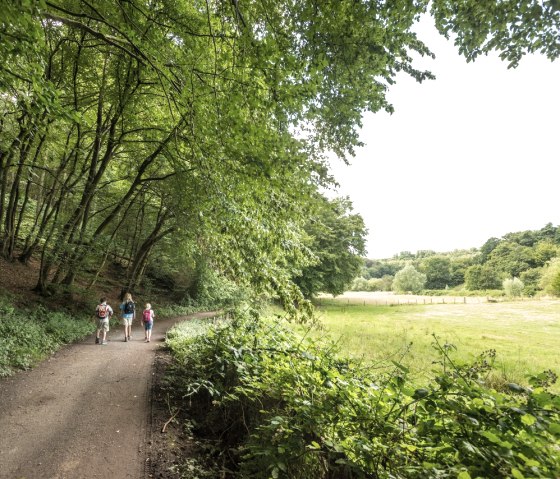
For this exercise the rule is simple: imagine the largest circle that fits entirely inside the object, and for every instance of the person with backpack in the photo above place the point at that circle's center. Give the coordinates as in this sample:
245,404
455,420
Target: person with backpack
148,316
102,313
128,309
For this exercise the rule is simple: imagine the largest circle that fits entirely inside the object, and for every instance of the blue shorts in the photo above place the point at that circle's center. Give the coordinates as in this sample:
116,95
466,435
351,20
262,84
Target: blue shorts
149,325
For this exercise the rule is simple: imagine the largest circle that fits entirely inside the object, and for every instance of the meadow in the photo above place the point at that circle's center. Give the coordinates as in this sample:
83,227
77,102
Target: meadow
524,334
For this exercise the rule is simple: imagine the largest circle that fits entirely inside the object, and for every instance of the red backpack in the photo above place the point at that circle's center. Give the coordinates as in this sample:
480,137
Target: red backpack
147,315
102,311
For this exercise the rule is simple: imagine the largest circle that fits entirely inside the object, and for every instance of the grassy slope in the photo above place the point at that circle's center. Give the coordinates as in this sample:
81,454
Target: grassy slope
525,335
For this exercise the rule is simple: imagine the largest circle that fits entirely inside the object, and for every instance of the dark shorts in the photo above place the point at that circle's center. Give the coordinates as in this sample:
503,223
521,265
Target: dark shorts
149,325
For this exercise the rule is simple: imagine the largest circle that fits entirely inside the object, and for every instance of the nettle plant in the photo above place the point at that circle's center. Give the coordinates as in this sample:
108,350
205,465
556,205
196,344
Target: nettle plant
284,406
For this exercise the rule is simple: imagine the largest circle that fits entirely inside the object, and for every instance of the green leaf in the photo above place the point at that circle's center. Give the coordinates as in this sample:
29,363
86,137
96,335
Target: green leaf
554,428
401,367
528,419
491,437
421,393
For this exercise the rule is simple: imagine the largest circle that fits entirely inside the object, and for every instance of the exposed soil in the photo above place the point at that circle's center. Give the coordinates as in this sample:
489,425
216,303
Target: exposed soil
169,448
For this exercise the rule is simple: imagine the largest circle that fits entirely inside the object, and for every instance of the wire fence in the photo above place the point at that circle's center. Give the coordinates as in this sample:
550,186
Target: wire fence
389,299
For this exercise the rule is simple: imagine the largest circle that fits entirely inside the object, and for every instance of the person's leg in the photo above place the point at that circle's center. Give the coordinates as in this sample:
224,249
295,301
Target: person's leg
125,330
105,331
97,335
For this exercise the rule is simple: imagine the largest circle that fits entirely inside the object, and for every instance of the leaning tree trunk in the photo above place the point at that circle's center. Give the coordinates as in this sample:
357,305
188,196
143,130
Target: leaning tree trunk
142,255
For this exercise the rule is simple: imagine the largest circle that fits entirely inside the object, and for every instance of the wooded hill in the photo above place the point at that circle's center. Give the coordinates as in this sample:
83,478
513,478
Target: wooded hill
533,257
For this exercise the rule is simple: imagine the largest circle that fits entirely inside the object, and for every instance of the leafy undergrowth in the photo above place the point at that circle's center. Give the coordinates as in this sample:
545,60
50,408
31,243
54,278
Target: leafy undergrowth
274,404
28,336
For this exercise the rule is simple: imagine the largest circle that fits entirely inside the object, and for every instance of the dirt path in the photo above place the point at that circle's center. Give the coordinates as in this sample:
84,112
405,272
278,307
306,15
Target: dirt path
83,413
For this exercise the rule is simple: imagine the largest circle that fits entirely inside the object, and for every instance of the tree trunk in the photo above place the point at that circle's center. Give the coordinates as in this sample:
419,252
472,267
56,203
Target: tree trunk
13,198
140,259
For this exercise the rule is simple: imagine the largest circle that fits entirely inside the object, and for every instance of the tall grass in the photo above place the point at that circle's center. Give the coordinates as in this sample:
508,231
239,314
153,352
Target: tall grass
525,335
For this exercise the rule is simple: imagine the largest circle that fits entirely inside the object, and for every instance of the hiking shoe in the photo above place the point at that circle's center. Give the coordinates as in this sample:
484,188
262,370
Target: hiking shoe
129,338
104,343
96,340
125,339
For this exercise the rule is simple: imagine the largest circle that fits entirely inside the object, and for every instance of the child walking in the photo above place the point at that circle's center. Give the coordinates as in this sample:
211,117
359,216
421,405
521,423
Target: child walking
128,309
102,313
148,316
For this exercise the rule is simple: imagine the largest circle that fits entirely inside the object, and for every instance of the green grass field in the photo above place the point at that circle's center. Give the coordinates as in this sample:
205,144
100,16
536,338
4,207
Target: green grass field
525,334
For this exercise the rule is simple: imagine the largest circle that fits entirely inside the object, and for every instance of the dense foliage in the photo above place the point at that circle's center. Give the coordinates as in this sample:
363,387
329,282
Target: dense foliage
154,134
408,280
336,238
526,257
283,406
29,336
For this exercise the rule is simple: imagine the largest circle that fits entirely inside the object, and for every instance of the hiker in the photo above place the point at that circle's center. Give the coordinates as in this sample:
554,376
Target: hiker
148,316
102,313
128,315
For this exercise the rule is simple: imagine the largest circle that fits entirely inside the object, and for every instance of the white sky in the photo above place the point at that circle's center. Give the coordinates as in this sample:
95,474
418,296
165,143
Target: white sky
468,156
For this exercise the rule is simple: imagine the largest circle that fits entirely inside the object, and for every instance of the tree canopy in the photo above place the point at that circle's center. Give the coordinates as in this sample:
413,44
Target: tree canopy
161,132
337,241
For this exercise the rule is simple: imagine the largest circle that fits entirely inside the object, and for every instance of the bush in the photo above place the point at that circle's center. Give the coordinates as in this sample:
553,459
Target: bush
409,279
283,406
513,287
30,336
531,279
215,291
550,280
171,310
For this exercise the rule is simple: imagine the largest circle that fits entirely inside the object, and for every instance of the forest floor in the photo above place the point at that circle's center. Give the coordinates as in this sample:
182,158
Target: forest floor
89,411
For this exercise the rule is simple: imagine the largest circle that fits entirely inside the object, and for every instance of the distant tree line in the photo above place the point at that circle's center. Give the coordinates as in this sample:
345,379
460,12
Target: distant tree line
527,258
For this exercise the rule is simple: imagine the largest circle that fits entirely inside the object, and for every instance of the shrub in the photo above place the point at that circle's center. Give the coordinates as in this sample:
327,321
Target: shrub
215,291
283,406
30,336
409,280
550,280
360,284
513,287
531,279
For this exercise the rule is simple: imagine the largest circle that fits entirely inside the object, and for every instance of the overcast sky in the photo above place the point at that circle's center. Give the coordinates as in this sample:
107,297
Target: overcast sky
468,156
